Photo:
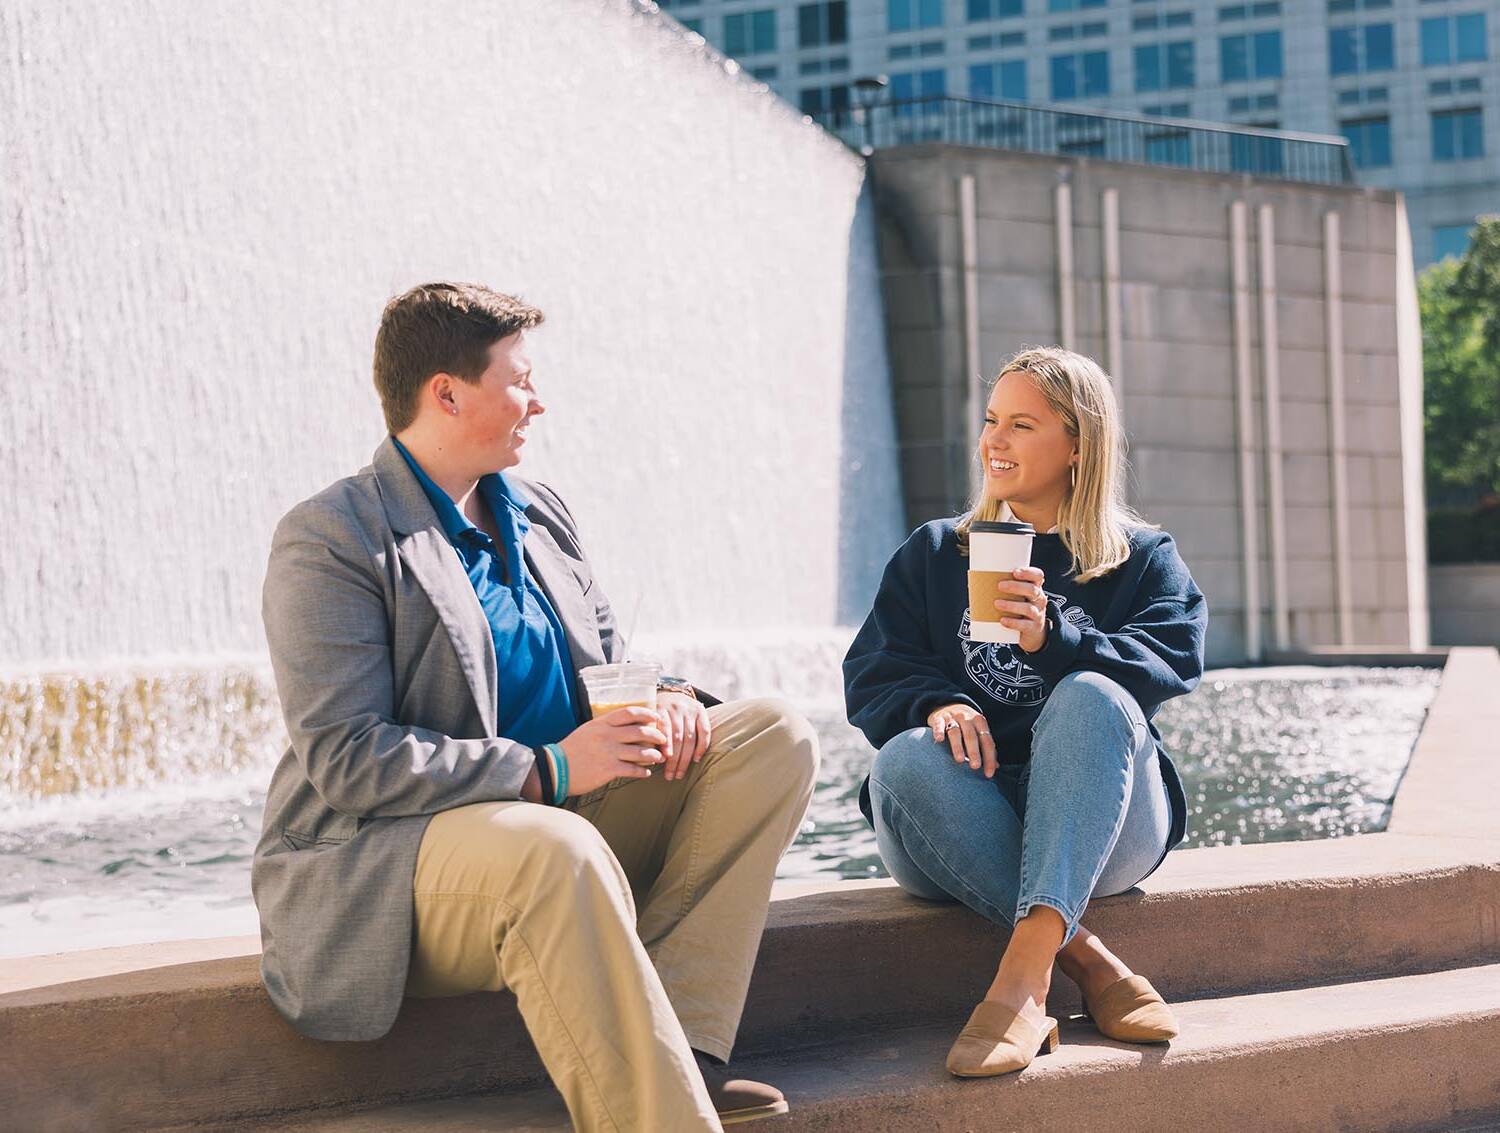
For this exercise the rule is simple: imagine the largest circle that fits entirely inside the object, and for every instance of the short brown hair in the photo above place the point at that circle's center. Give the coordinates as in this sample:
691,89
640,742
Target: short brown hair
440,328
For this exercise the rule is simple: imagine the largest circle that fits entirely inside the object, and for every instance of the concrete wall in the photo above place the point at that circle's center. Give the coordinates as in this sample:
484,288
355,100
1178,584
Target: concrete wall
1465,604
205,209
1175,364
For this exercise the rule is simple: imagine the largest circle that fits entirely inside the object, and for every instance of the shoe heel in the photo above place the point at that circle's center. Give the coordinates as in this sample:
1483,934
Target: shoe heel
1050,1041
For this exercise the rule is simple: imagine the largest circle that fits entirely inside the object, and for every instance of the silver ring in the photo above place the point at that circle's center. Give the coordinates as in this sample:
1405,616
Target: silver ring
949,725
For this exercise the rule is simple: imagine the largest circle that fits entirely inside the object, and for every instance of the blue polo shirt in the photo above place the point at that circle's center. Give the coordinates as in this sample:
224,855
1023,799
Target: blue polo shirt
532,661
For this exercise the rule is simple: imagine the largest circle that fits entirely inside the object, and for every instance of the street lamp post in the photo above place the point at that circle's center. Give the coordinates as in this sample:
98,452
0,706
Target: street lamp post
867,89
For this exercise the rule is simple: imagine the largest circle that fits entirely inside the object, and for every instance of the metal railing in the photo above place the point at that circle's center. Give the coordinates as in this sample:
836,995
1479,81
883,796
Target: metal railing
1112,136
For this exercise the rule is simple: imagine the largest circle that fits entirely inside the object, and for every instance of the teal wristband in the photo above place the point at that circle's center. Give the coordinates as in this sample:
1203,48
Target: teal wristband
560,776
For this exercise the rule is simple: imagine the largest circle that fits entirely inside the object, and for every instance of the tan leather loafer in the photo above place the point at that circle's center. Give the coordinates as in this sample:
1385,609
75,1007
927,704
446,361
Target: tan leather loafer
1130,1011
738,1099
997,1040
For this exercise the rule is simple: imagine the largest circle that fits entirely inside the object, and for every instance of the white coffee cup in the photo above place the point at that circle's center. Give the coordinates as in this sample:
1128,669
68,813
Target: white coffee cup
995,550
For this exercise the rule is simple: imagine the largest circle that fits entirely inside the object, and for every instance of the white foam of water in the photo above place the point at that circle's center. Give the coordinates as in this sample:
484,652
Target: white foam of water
200,278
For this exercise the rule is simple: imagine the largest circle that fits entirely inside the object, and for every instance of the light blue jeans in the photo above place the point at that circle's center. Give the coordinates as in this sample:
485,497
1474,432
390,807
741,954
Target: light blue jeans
1088,815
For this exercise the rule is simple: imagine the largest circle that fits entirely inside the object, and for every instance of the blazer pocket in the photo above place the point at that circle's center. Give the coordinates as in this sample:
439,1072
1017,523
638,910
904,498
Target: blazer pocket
298,840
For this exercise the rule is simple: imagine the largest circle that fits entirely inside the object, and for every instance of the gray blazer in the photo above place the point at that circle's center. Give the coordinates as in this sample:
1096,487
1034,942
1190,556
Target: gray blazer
386,672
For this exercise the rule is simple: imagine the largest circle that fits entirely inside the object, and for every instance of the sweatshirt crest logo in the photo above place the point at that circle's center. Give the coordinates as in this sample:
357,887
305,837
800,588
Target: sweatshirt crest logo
1001,670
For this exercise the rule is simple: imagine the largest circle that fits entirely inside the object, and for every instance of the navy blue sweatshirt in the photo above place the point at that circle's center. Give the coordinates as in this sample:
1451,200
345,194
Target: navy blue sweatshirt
1142,625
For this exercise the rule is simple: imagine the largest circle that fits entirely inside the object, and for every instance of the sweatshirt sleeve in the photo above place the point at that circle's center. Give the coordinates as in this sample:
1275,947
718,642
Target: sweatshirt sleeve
892,677
1156,654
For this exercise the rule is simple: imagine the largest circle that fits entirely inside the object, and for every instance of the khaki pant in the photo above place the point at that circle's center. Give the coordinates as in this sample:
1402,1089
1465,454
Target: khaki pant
626,924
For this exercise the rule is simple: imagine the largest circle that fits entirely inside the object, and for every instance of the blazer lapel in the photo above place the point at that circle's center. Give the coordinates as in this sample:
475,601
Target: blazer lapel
431,559
426,552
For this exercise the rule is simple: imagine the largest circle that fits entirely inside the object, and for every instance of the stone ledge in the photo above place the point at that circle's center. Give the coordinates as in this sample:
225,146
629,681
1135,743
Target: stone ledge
1285,1060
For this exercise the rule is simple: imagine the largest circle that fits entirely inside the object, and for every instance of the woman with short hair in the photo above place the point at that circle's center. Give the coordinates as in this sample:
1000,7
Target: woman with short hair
1024,779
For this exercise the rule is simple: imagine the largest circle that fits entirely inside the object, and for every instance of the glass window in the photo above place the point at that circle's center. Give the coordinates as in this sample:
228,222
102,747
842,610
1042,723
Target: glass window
1343,56
919,84
1457,135
936,47
1453,39
694,26
1469,41
1268,55
1232,12
1234,58
764,74
1148,67
823,100
1173,148
1180,65
1352,50
1437,41
1095,74
1064,77
822,24
1255,56
1179,19
1006,81
993,9
1251,153
904,15
750,33
1380,47
1369,142
1450,240
1161,66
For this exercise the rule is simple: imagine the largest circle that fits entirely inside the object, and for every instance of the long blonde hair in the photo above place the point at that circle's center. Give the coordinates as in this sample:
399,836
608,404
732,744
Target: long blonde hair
1094,519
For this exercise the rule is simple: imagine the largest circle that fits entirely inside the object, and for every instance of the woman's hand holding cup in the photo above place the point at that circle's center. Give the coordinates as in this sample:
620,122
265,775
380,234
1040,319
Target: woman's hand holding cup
623,744
967,734
1024,606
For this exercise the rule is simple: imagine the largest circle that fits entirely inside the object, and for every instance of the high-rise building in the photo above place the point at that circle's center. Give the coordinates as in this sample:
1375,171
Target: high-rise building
1413,84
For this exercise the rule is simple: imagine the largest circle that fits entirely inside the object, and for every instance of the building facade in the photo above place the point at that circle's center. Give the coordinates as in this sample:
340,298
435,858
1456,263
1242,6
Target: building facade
1263,340
1413,84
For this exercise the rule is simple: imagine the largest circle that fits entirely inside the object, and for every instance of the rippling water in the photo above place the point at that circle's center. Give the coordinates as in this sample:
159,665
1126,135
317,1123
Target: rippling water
1265,755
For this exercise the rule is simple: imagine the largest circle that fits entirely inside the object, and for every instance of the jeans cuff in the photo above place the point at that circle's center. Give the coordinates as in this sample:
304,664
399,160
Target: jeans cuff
1070,922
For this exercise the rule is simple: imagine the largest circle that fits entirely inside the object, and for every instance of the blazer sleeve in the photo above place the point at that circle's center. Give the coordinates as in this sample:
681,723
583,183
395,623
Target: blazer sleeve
892,677
328,627
1156,654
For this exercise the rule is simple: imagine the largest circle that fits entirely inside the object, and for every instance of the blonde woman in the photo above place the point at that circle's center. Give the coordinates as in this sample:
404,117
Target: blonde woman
1022,780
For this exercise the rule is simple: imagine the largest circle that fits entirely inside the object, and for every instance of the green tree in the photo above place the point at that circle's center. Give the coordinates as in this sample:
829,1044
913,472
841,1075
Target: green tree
1460,306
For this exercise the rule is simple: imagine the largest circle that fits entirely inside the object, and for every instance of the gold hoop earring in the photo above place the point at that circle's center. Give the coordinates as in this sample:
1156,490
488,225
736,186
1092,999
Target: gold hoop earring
1072,476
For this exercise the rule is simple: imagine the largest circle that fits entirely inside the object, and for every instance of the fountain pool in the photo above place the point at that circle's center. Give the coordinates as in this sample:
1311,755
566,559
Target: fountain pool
1266,755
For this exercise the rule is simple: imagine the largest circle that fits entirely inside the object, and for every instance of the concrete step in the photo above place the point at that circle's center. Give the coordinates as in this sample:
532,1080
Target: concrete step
135,1038
1403,1054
